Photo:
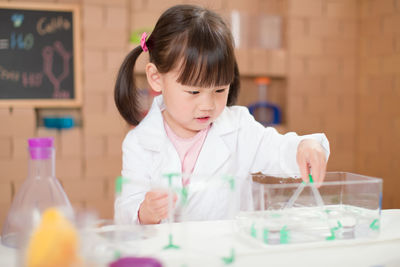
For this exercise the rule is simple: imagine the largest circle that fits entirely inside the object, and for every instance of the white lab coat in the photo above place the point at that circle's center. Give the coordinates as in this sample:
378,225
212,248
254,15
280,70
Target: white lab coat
235,145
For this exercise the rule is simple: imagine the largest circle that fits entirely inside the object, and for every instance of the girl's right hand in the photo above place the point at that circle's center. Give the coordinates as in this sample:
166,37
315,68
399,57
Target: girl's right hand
154,207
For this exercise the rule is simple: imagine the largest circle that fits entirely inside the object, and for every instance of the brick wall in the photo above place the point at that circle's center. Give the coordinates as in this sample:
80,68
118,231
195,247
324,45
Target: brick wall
322,80
378,111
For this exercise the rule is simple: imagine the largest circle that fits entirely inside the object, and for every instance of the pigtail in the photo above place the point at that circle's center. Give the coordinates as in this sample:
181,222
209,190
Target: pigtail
125,92
234,87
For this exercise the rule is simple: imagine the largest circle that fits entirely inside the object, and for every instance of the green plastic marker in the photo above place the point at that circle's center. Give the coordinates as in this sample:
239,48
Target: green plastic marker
230,259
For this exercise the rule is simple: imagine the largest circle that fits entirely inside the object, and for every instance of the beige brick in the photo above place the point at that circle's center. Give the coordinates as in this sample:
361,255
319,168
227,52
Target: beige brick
319,27
371,27
384,45
345,86
114,59
5,192
98,81
272,7
341,9
144,20
104,208
306,46
372,65
381,85
340,47
71,142
114,145
98,124
69,167
13,169
242,58
116,18
382,7
5,147
348,67
297,27
137,5
297,65
93,16
94,146
84,190
109,38
6,122
277,60
304,85
349,29
396,85
93,102
243,6
216,5
20,147
329,66
305,8
160,5
122,3
94,60
391,24
391,64
23,121
107,166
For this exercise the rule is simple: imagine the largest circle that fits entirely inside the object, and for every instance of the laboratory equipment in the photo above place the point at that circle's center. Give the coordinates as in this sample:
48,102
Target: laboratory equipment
41,190
264,111
351,209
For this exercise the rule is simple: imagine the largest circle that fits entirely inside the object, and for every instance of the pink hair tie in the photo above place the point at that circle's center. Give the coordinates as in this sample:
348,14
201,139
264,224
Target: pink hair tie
143,42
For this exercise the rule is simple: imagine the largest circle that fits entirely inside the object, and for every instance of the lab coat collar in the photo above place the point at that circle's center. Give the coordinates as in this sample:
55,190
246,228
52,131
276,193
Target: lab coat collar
153,136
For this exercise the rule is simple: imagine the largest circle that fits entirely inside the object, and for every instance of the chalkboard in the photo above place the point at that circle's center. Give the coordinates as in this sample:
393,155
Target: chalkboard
39,55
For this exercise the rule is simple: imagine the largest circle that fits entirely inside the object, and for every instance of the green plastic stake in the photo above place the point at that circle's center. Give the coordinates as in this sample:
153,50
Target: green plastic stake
231,259
171,244
119,181
117,255
374,225
311,179
184,194
231,181
333,231
284,239
265,236
253,231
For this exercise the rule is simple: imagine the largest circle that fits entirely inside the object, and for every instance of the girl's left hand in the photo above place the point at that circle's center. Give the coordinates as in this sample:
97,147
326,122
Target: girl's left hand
311,155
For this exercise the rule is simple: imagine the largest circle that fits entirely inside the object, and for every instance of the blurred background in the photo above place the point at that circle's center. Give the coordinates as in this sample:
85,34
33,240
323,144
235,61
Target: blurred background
333,66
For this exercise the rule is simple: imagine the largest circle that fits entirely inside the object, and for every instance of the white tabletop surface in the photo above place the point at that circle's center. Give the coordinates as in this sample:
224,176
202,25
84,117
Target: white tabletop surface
206,243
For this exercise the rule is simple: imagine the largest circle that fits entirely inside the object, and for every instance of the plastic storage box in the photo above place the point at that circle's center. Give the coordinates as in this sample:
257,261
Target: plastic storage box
351,209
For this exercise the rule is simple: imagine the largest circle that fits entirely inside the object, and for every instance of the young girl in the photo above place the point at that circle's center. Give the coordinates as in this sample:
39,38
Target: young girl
193,127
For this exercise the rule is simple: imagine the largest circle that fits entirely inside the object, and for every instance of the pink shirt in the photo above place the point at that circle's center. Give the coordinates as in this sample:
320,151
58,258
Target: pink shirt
188,148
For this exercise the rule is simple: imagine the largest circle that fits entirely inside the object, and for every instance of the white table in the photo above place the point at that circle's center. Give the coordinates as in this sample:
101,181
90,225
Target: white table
201,238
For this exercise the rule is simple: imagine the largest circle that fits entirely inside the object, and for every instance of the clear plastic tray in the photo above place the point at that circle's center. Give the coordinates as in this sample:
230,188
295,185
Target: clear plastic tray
352,206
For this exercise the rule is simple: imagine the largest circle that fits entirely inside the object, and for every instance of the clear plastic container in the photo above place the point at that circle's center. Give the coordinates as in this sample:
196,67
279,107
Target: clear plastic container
40,191
351,209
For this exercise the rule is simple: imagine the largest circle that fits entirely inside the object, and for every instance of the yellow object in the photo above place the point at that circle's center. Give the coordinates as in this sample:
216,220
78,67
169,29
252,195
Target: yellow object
53,243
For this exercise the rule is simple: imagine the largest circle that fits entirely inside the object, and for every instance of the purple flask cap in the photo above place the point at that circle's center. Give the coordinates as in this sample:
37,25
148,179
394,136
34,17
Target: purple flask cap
137,262
40,147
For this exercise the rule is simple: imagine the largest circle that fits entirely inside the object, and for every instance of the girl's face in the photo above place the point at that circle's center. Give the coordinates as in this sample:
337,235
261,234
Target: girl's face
190,109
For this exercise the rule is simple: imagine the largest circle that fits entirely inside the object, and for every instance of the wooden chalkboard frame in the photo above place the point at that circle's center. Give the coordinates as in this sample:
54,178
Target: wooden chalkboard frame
76,101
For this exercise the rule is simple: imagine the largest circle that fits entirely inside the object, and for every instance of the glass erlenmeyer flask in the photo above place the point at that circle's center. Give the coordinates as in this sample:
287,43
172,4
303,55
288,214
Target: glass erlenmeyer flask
40,191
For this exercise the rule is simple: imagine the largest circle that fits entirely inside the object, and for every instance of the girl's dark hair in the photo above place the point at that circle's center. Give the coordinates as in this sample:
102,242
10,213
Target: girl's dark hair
192,38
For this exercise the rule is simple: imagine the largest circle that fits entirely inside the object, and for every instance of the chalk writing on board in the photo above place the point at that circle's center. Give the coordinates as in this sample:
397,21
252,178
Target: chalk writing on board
37,54
48,57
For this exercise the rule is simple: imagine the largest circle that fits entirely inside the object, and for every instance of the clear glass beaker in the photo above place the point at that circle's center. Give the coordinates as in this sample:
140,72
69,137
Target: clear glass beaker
40,191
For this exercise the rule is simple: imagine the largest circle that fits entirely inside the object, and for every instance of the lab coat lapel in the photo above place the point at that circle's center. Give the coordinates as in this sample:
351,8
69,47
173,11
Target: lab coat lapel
217,147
